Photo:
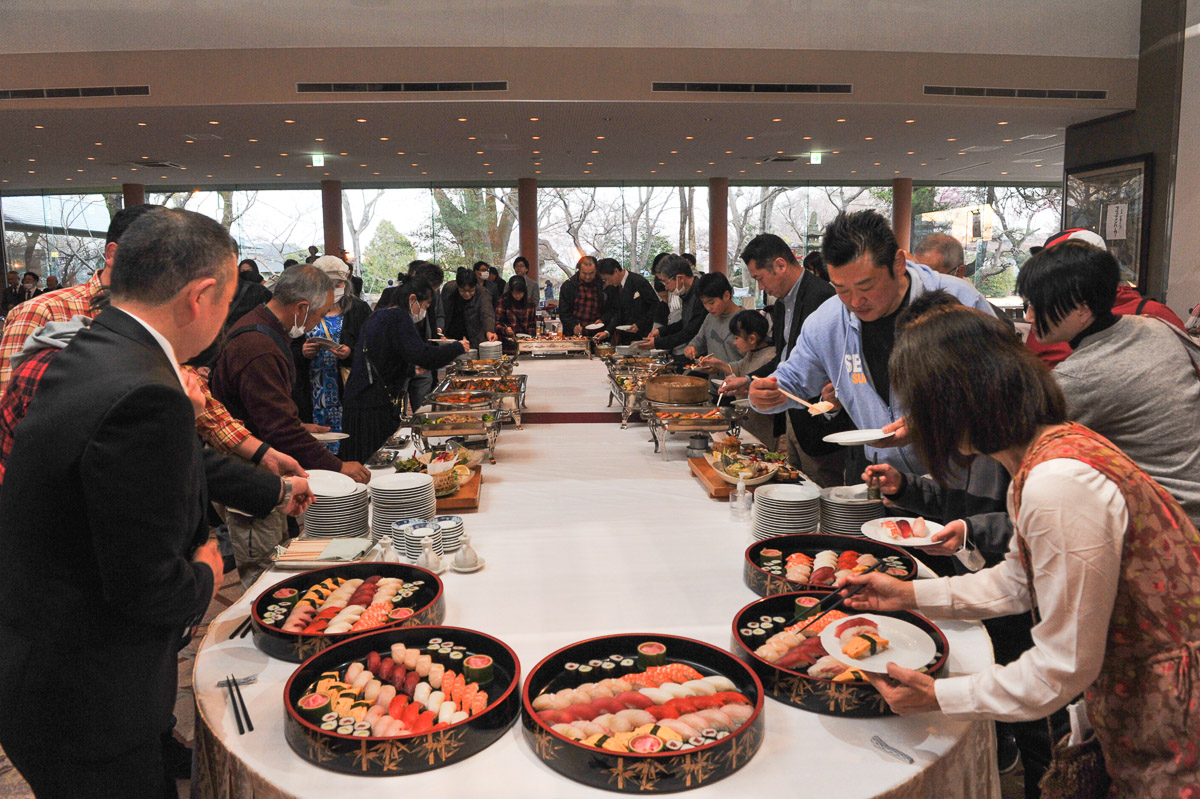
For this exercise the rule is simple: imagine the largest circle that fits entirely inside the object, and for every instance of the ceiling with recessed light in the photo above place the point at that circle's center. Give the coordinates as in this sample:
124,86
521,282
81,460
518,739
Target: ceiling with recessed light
580,114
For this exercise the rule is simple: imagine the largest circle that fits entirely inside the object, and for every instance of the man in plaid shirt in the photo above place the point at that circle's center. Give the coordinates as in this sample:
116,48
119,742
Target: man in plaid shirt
216,426
582,299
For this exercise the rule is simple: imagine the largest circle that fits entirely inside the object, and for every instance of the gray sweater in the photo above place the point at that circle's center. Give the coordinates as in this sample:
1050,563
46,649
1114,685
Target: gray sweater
714,338
1135,384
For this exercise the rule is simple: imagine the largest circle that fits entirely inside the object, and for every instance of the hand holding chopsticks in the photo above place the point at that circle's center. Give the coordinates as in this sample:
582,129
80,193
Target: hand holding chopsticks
235,699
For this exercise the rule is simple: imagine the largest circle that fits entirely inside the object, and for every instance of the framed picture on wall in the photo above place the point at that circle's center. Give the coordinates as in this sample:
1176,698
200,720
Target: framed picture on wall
1113,199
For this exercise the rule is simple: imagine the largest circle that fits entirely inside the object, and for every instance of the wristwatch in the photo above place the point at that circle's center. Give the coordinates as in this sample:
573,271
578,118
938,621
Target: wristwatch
286,493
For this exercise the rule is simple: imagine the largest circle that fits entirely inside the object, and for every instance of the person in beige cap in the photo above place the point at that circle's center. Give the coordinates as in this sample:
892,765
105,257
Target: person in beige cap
325,355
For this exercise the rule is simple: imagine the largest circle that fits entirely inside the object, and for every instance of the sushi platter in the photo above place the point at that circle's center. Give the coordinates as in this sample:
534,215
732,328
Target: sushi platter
643,713
540,346
302,615
509,391
429,424
402,701
767,571
500,367
822,670
667,420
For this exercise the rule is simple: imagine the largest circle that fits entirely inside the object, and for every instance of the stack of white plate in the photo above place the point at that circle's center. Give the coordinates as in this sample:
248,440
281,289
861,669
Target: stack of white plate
402,495
399,528
490,349
415,536
844,509
786,509
452,532
340,507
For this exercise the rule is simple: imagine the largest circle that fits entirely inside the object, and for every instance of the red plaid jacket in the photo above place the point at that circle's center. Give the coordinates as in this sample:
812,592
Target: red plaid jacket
21,387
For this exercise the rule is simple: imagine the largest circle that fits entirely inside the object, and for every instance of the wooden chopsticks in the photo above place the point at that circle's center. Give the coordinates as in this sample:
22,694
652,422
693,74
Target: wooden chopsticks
821,609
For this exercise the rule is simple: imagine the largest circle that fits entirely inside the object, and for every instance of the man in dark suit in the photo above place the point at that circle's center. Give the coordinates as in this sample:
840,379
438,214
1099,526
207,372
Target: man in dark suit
772,263
113,431
635,300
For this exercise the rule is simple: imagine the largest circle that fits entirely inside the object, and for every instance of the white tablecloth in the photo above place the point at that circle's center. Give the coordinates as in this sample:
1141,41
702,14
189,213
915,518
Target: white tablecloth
573,513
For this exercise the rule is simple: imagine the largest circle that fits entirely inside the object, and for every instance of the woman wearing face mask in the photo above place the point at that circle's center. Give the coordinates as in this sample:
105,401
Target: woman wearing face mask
515,314
388,350
322,366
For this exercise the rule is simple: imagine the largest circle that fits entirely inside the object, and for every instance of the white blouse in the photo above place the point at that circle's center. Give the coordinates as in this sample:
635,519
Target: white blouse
1073,519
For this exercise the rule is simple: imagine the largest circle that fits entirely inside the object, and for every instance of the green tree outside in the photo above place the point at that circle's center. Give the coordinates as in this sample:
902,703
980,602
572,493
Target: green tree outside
388,253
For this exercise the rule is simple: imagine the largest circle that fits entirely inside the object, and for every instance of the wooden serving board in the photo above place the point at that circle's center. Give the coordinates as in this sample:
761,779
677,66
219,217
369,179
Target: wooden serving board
467,495
716,487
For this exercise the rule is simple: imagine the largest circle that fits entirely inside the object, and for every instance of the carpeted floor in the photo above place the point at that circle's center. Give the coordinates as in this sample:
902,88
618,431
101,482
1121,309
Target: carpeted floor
13,787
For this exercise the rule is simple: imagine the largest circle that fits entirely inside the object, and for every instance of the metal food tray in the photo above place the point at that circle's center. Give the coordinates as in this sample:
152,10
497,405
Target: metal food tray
565,346
486,430
630,400
502,368
730,421
488,401
510,403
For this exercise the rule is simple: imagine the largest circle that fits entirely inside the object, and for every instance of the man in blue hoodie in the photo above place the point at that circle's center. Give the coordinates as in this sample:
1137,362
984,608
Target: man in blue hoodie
847,341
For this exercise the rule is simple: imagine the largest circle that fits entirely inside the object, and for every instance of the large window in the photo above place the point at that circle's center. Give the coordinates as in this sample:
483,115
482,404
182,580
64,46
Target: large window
797,214
995,224
57,234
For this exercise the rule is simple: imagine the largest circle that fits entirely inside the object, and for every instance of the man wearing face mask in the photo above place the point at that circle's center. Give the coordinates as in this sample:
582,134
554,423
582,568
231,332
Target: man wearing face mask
253,376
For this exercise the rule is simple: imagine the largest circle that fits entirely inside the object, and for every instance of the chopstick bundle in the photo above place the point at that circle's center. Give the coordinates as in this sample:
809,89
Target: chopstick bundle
303,550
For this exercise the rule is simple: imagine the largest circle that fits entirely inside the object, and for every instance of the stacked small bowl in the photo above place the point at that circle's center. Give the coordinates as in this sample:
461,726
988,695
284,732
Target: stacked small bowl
786,509
452,531
415,536
844,509
403,495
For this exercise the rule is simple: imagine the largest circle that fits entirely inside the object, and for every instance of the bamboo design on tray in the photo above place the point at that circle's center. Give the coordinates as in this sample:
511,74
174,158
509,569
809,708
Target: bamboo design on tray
642,774
306,649
545,746
441,746
385,756
743,748
792,686
697,767
319,748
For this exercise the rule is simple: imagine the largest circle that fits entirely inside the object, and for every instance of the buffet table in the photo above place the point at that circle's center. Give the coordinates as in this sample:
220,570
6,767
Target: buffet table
586,532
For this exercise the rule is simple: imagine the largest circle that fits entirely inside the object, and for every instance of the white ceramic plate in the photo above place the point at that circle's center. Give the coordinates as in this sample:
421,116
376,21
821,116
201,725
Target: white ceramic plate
908,645
595,326
788,492
852,438
330,436
325,483
625,328
401,481
875,531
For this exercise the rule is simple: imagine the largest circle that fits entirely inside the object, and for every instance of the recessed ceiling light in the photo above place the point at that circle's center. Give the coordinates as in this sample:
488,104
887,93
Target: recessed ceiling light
479,152
319,138
533,119
779,152
374,173
383,138
600,137
909,121
1001,123
289,121
749,138
777,119
924,164
164,177
808,138
144,157
284,155
491,172
962,153
74,178
462,119
662,163
36,127
256,166
586,172
424,173
951,139
253,140
876,163
912,152
841,120
400,153
674,152
133,169
1003,173
470,138
729,152
227,155
34,172
1037,165
789,171
90,158
535,138
537,171
869,138
837,152
539,152
485,163
34,160
278,174
99,143
896,172
853,171
712,163
362,164
213,122
699,171
413,164
653,171
741,171
360,120
343,153
141,124
689,138
78,170
207,176
1007,140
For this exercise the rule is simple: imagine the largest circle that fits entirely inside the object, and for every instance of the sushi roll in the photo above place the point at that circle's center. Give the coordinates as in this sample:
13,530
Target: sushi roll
478,668
651,653
313,707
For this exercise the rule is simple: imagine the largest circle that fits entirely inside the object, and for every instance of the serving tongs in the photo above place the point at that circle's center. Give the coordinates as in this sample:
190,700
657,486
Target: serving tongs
831,602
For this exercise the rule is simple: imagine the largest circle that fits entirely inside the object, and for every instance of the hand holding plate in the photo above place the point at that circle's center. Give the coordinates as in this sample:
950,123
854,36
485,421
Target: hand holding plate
906,691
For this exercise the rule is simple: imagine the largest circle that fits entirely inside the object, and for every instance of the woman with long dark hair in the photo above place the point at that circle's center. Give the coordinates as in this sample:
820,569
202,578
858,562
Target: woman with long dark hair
1107,559
388,349
515,313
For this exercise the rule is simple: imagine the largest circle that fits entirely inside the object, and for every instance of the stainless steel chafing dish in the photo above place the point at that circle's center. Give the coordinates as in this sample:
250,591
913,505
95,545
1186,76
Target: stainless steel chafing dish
508,403
667,420
428,423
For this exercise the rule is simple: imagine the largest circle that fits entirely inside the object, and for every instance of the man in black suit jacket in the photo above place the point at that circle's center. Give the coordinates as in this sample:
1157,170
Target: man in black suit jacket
635,300
123,540
773,264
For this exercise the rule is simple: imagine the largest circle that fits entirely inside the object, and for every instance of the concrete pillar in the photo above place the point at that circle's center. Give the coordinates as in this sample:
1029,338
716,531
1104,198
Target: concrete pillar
134,193
527,223
902,211
718,225
331,215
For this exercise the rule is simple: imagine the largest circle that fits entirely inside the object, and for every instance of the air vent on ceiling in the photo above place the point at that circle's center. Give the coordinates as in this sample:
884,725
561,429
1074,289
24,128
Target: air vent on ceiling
365,88
157,164
1038,94
77,91
755,88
